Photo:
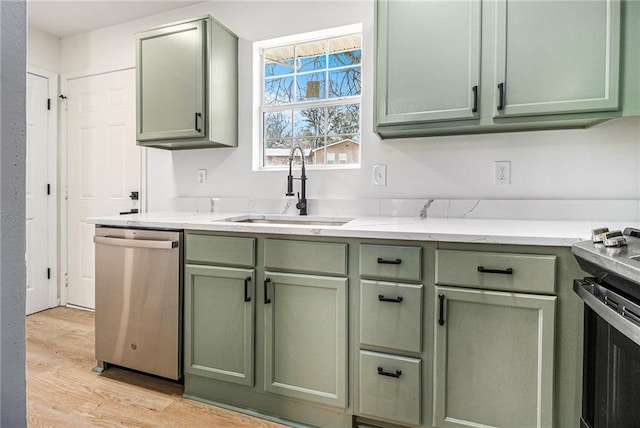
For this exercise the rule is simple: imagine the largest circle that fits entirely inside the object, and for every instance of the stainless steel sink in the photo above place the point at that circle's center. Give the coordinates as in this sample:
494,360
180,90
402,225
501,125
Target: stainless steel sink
301,221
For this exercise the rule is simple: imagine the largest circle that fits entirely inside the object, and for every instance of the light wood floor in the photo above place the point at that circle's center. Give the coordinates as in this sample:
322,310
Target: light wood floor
62,391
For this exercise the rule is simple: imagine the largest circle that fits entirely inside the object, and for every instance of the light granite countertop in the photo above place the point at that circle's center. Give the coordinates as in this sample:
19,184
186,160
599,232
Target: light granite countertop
519,232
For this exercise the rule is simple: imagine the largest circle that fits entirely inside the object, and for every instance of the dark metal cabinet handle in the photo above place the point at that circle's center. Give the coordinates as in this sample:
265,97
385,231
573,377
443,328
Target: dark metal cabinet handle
381,372
386,299
267,300
389,262
441,316
507,271
198,115
475,99
246,289
501,100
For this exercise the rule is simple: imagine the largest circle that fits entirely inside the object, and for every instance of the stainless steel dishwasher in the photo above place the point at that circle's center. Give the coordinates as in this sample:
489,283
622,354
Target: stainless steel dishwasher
138,319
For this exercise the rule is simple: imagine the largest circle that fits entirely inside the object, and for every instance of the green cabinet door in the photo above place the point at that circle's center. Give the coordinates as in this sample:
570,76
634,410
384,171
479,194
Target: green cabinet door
306,337
493,359
171,84
556,57
218,323
428,60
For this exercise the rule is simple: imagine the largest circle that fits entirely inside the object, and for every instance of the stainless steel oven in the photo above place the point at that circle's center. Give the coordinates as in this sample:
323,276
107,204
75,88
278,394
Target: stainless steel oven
139,300
611,365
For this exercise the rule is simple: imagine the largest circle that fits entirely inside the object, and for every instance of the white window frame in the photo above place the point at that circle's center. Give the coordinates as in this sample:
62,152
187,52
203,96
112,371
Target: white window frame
258,85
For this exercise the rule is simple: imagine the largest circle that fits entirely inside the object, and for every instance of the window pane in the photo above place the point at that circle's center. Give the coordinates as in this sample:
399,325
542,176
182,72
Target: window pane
312,147
278,69
276,152
277,124
278,90
342,59
345,43
278,61
344,150
311,56
310,122
344,82
311,86
343,119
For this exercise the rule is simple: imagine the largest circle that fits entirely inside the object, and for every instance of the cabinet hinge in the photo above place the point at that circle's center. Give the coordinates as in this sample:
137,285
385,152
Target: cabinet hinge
48,103
66,279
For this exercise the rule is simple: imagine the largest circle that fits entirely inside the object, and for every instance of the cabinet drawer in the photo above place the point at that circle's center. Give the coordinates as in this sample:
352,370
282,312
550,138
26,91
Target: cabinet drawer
391,315
390,387
496,271
391,262
306,257
220,250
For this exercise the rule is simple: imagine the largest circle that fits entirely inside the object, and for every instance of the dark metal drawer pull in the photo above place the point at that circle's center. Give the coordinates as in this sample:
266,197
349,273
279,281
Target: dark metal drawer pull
267,300
386,299
198,129
246,289
475,99
381,372
507,271
389,262
441,316
501,96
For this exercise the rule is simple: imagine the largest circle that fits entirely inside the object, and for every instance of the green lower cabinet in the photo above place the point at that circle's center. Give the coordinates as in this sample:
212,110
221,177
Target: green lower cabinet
493,359
390,387
391,315
219,323
306,337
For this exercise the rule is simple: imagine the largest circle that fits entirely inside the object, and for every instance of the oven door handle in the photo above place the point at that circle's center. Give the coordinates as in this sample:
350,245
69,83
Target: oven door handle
608,314
136,243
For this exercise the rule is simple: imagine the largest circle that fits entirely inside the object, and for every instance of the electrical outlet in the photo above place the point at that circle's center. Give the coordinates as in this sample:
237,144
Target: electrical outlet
380,175
502,172
202,177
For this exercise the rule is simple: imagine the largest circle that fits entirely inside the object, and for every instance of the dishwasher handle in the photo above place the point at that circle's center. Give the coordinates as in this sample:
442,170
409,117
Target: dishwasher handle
135,243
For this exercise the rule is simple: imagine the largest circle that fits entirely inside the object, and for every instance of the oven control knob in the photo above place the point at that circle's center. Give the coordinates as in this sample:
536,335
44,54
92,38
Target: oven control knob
597,235
615,238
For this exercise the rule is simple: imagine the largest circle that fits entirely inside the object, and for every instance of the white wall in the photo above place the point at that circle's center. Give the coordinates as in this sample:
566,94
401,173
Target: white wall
43,50
567,164
13,59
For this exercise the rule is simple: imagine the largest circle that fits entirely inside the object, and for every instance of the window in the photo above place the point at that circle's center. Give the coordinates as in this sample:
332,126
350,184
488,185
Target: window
310,96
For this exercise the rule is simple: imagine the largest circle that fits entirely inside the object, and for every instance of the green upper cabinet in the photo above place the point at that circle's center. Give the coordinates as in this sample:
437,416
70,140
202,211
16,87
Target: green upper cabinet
186,90
556,57
479,66
428,61
171,78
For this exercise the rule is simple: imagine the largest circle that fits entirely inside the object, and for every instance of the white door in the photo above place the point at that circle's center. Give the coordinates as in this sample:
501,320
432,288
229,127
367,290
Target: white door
103,167
37,195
